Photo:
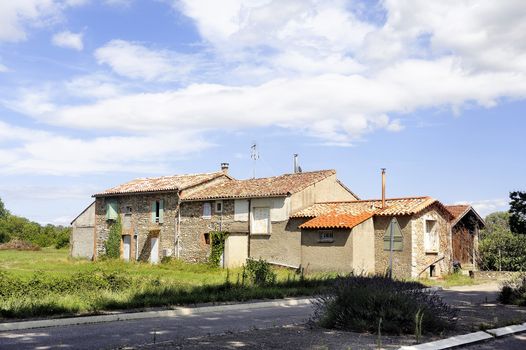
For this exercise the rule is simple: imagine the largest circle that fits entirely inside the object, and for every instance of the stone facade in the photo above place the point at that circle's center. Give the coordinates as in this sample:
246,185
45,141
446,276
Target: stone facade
139,225
413,261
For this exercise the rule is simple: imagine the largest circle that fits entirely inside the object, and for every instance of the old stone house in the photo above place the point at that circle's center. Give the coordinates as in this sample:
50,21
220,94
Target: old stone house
354,236
465,228
174,215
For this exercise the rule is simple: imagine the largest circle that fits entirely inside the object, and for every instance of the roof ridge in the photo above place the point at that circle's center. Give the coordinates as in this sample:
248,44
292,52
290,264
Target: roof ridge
177,175
376,200
288,174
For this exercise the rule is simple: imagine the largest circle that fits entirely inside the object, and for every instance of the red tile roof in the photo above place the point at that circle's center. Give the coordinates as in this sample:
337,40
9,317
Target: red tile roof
160,184
460,210
394,206
332,221
276,186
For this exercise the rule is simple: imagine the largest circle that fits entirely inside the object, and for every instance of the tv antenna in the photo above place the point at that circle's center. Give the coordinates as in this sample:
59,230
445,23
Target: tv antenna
254,155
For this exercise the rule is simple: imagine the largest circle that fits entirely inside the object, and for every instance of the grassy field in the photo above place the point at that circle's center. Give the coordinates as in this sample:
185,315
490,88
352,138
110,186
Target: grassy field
48,282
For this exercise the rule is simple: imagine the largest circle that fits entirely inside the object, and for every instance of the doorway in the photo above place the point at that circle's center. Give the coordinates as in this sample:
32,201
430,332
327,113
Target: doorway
154,250
126,247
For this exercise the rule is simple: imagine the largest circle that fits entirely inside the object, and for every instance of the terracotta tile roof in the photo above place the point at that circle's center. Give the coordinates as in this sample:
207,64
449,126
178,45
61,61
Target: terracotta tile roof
276,186
394,206
158,184
332,220
460,210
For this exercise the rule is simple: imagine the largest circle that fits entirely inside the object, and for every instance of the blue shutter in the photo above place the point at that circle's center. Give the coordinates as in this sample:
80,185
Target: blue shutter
153,211
161,211
111,210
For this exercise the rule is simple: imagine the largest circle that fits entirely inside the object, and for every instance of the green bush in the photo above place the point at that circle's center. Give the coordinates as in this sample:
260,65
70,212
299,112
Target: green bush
514,291
503,251
358,303
260,272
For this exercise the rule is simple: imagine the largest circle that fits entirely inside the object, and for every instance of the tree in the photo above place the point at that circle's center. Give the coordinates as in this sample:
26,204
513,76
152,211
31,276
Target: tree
4,213
518,212
498,222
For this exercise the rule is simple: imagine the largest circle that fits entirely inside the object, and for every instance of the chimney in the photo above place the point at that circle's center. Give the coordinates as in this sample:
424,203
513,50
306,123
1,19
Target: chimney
224,168
295,163
383,188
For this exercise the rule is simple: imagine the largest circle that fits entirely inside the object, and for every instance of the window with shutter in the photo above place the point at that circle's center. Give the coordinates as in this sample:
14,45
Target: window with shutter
261,221
158,211
112,212
398,239
431,236
207,210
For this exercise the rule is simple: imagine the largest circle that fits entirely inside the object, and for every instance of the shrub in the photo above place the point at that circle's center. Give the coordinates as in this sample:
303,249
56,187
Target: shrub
503,251
17,244
357,303
260,272
514,291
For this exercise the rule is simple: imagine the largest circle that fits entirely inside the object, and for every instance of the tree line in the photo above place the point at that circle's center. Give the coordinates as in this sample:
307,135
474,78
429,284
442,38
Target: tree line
502,245
16,227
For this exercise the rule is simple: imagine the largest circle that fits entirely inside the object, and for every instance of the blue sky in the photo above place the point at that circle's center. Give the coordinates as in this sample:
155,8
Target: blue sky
94,93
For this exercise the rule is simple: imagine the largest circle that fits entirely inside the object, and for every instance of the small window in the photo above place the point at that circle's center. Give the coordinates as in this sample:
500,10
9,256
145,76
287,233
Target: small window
128,210
158,211
207,210
206,236
219,206
326,236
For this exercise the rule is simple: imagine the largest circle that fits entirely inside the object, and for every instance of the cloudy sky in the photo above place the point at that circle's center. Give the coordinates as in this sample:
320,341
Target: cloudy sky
97,92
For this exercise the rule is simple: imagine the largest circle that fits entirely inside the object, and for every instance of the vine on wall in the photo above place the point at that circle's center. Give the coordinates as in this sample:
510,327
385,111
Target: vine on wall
113,243
217,246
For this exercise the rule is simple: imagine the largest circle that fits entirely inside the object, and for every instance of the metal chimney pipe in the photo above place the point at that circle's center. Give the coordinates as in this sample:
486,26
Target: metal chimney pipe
295,163
383,188
224,168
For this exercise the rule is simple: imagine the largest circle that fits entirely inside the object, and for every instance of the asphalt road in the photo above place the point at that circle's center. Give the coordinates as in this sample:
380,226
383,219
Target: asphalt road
137,332
513,342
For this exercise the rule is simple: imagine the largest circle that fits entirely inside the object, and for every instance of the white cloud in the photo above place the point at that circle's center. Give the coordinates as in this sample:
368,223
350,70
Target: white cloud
39,152
69,40
17,15
488,206
136,61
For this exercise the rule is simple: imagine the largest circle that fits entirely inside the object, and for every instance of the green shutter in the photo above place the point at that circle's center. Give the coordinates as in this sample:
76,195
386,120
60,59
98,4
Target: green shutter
398,239
111,210
153,211
161,211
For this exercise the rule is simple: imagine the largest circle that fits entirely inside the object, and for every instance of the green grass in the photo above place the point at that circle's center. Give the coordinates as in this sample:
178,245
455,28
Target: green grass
48,282
452,280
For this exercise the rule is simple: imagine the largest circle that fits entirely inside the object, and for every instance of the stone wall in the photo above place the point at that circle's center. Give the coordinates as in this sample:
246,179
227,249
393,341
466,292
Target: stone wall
194,228
496,275
401,259
140,223
420,258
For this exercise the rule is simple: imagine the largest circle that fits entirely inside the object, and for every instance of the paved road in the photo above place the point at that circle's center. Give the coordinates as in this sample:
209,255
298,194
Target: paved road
119,334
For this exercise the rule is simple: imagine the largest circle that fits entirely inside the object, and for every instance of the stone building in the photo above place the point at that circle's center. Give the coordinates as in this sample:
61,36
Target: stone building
465,235
174,215
421,247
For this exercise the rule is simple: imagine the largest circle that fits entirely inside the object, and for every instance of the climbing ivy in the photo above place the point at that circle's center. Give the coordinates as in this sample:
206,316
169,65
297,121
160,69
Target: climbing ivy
113,243
217,245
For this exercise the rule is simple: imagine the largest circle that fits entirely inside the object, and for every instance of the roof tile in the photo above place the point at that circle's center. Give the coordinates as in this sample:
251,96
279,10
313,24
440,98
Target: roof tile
158,184
275,186
332,221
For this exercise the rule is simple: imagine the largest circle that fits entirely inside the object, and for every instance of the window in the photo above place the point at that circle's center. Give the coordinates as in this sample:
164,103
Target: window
158,211
206,236
431,236
260,220
128,210
126,221
326,237
207,210
112,212
219,206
